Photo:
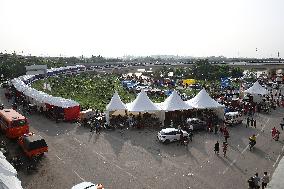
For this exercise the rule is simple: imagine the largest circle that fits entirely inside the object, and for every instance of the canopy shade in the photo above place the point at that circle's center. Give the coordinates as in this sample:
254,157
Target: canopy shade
174,102
115,103
256,89
142,103
202,101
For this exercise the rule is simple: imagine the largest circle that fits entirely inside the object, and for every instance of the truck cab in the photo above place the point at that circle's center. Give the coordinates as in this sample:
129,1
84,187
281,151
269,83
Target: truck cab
33,145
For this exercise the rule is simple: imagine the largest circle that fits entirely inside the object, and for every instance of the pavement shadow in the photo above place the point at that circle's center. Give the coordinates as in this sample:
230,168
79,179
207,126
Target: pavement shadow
258,152
50,128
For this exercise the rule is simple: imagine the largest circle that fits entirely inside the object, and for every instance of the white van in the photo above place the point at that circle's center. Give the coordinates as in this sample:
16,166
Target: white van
233,118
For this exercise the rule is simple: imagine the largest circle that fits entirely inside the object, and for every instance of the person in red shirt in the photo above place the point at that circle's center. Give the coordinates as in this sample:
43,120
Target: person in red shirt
273,132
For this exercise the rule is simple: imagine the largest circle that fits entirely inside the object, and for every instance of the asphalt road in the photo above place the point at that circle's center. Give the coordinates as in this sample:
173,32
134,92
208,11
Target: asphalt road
133,158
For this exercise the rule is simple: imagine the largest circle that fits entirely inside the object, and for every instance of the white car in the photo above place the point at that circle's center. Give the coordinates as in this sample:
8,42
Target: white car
170,135
233,118
85,185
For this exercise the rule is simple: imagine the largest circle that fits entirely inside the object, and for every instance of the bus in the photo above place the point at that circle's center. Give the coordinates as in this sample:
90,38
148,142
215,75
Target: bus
12,123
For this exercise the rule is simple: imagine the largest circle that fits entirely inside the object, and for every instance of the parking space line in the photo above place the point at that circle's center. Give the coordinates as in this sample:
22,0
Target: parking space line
275,163
58,157
78,140
79,176
235,160
276,160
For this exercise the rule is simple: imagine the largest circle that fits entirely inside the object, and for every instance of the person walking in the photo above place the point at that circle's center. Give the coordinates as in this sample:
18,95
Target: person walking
256,181
216,148
251,122
225,147
282,124
254,123
92,127
248,121
97,127
216,129
273,132
226,135
181,138
251,183
265,180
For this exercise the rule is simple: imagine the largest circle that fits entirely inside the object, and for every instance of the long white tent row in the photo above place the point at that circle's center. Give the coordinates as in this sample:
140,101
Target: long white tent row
41,99
143,104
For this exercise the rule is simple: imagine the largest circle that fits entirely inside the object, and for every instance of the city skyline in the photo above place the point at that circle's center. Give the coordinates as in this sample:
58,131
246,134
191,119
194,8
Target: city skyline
139,28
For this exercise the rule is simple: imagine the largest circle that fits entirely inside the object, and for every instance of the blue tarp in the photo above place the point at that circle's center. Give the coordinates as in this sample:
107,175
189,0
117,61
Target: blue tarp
225,82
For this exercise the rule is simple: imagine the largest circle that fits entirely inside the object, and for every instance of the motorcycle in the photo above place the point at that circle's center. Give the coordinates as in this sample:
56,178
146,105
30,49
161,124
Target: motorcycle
276,136
185,141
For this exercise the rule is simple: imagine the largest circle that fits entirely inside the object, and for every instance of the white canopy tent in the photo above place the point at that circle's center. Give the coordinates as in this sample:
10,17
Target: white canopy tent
202,101
174,102
142,103
256,89
8,179
115,105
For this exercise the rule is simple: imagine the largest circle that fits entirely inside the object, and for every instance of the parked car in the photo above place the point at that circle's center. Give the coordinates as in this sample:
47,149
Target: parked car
233,118
85,185
196,123
195,86
170,135
275,86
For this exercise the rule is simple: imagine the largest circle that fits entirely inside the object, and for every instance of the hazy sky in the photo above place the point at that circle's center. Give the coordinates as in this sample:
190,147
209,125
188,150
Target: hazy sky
231,28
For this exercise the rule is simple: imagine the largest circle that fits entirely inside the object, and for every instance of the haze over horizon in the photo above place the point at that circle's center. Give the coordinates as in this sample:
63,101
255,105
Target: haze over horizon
111,28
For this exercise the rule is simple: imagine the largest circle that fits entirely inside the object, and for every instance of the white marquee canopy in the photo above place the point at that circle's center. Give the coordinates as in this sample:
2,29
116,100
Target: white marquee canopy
202,101
142,103
256,89
174,102
115,103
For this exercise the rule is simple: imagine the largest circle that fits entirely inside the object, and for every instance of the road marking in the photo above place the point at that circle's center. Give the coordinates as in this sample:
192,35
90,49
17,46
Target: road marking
235,160
78,141
276,160
275,163
79,176
58,157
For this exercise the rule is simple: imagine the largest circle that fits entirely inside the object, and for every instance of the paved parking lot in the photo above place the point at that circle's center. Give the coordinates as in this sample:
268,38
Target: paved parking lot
132,158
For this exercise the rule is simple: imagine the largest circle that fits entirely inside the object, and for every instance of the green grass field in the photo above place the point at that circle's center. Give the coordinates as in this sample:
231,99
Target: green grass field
91,91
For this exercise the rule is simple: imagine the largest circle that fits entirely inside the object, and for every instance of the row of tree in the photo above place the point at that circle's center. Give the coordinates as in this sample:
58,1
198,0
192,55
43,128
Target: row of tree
13,65
201,70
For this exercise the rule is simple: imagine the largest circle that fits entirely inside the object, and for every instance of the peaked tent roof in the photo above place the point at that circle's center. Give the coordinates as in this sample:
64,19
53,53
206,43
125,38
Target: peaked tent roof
142,103
256,89
202,100
174,102
115,103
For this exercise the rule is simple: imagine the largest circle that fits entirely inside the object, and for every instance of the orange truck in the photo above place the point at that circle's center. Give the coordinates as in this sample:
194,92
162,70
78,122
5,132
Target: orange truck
12,123
33,145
